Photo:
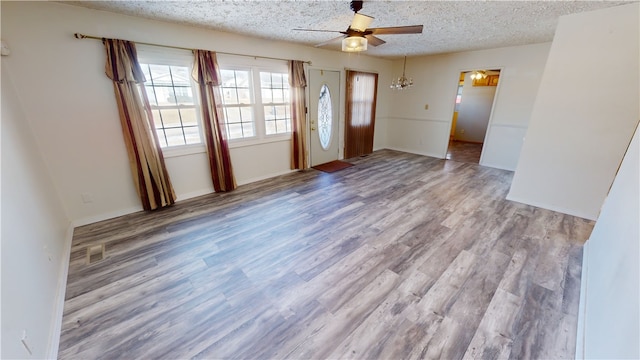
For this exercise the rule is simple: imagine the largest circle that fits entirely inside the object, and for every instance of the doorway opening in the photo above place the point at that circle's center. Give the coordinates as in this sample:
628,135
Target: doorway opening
474,102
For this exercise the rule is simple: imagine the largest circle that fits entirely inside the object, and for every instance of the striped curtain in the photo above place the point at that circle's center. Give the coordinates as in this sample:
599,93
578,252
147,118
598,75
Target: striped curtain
207,75
360,116
149,172
297,83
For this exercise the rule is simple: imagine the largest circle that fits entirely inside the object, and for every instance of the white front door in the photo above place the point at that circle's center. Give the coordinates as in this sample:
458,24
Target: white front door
324,105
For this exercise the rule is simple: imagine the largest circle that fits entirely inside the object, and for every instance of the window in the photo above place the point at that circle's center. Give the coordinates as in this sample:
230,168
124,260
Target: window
275,98
256,102
325,120
237,103
174,109
173,97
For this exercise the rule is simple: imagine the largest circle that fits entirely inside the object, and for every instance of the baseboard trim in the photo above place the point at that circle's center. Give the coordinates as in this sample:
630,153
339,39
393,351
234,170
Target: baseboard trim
259,178
496,166
582,308
414,152
114,214
194,194
106,216
559,209
58,310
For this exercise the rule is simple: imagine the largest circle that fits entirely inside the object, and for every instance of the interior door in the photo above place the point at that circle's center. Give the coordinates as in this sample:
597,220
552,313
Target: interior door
324,105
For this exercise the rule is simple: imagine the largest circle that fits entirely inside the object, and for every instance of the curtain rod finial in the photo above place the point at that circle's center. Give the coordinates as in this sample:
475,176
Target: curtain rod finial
79,36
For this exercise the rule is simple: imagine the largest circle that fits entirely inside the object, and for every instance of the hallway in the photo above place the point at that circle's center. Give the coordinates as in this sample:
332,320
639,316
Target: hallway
465,152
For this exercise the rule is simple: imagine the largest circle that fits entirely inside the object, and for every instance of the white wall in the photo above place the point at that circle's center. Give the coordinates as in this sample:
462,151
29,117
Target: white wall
610,301
413,129
584,115
474,111
74,114
35,243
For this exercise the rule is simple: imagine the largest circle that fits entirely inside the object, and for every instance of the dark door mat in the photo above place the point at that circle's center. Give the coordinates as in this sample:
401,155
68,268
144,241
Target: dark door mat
333,166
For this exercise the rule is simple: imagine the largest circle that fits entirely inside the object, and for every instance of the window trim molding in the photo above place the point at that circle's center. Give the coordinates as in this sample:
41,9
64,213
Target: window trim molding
175,57
183,150
257,142
255,66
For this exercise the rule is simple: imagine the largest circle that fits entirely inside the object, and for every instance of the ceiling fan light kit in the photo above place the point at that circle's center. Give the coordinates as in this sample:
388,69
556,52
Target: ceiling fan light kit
359,35
354,44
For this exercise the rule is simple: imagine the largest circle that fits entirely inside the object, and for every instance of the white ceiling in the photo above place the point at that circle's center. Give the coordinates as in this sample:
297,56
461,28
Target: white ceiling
449,26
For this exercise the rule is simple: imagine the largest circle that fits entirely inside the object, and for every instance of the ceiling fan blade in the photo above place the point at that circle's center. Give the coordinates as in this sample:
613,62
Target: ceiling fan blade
330,41
361,22
412,29
374,41
335,31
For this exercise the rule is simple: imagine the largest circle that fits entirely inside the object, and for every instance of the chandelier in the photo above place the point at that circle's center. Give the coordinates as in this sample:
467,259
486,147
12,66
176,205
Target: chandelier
478,74
402,82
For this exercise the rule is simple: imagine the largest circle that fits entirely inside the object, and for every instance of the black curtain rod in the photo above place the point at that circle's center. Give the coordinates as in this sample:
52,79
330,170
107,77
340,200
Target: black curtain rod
82,36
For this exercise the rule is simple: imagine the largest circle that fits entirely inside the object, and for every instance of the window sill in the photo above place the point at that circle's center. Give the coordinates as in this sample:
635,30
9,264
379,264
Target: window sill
176,151
184,150
252,142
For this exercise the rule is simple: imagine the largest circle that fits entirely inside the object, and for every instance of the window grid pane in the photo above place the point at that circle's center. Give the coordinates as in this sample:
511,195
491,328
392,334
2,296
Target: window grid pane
239,121
237,103
173,107
275,97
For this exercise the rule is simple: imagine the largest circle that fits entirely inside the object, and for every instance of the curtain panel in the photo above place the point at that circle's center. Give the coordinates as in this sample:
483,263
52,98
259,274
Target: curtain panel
149,172
207,75
297,83
360,113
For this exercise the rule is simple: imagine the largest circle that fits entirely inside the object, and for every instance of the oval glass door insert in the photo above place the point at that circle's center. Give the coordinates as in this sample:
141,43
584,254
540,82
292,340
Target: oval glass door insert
325,115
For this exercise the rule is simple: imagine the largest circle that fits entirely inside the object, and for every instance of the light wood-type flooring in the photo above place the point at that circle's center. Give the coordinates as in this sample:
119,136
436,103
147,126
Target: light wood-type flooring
398,257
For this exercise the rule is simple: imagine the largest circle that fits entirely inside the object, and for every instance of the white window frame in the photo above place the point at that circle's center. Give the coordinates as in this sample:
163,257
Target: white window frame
163,56
286,104
251,105
255,66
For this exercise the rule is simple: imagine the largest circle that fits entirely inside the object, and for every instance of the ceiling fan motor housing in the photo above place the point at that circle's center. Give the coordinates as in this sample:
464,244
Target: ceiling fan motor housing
356,6
360,31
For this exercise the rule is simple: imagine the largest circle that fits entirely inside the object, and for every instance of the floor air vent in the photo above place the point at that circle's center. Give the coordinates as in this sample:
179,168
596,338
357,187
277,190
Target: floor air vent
95,253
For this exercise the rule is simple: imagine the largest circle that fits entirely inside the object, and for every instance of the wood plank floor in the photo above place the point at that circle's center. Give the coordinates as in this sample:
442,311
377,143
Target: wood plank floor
398,257
464,151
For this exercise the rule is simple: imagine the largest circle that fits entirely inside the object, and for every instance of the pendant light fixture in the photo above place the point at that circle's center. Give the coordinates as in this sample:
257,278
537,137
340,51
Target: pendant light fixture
478,74
402,82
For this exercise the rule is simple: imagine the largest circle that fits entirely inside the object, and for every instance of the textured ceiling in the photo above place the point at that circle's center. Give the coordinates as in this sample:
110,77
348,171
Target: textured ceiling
449,26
